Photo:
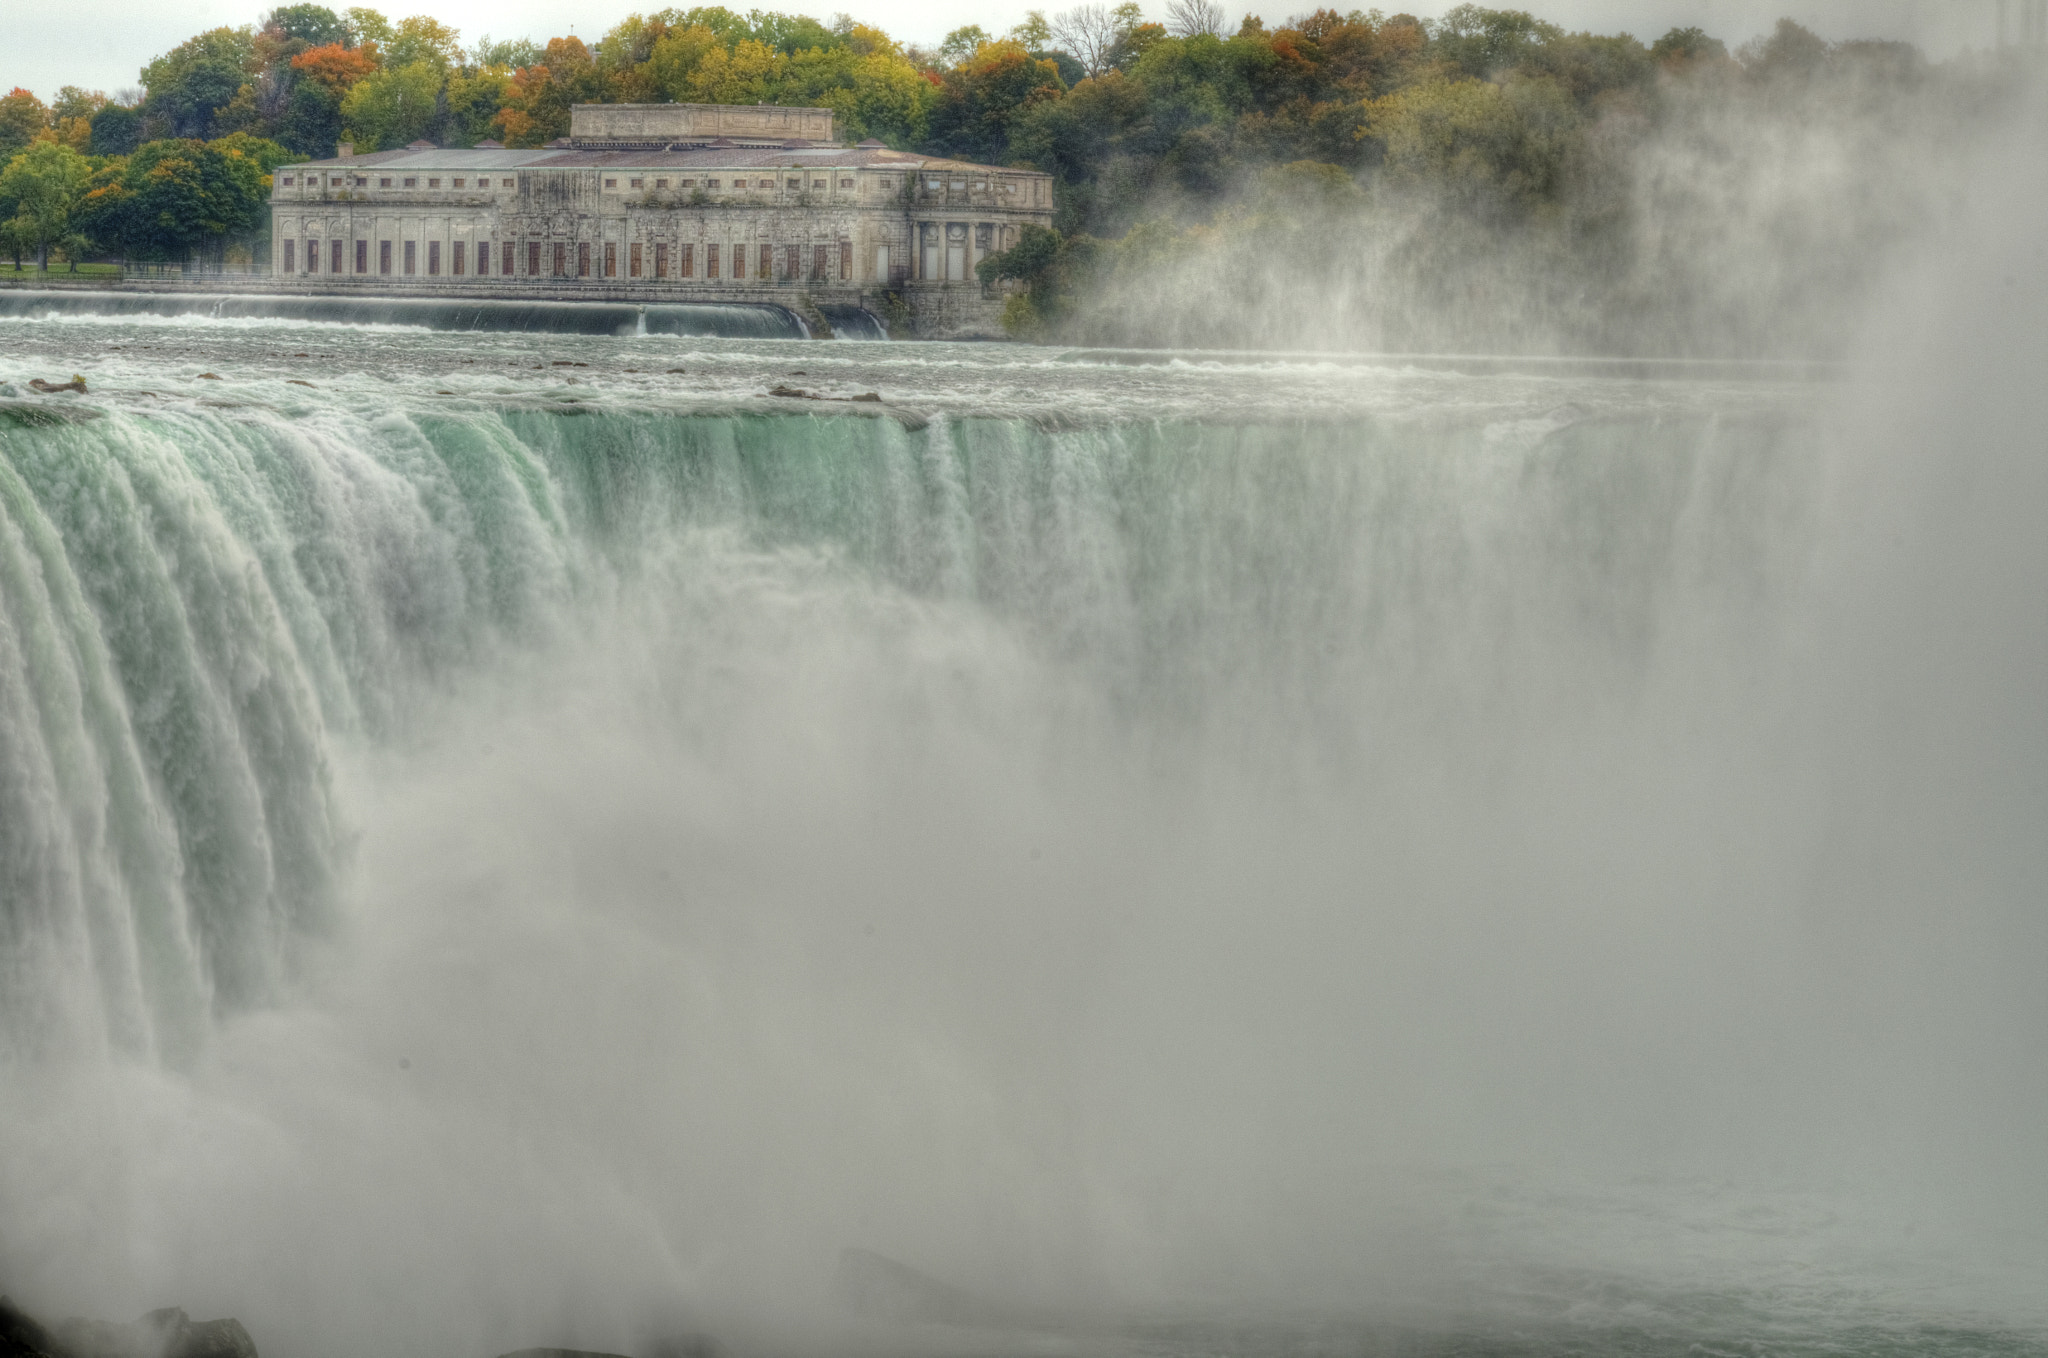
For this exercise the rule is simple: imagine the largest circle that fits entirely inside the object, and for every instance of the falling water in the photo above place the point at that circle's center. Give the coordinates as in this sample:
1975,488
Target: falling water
523,839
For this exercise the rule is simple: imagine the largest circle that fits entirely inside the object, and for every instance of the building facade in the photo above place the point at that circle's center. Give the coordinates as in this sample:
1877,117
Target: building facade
676,202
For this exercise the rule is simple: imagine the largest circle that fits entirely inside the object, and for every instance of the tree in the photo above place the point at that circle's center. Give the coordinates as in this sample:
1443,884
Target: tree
184,194
201,75
116,130
1790,51
44,184
1186,18
311,125
1481,42
474,98
367,26
312,25
336,68
1089,34
422,39
22,119
1683,47
961,43
1034,33
983,98
394,107
511,54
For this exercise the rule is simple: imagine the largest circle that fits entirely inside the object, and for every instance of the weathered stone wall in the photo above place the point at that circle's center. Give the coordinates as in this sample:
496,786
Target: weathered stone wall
954,311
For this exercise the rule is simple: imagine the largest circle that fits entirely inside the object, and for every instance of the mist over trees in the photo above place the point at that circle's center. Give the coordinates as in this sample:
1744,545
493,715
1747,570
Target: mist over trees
1489,161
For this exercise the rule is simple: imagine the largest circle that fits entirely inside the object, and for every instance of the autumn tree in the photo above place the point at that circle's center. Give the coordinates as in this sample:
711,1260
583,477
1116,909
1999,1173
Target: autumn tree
23,118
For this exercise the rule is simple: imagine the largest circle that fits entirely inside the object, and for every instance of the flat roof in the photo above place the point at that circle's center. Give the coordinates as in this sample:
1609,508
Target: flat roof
686,158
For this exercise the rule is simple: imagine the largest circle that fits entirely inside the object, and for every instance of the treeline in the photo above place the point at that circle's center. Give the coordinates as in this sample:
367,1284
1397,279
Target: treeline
1166,137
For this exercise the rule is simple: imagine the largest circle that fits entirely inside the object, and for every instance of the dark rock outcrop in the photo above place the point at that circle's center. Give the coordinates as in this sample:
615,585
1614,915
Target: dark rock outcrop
164,1333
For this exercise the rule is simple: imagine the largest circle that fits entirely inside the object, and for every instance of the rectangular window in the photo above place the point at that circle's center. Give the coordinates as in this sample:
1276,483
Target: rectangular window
412,256
433,257
769,183
287,181
312,256
362,256
821,261
845,260
384,183
739,263
334,257
633,264
818,183
290,258
412,183
660,260
689,261
611,183
583,259
384,256
846,183
457,252
504,183
764,262
483,257
532,258
711,183
505,260
793,184
793,262
433,183
561,259
710,262
661,183
361,182
611,260
334,181
635,183
458,183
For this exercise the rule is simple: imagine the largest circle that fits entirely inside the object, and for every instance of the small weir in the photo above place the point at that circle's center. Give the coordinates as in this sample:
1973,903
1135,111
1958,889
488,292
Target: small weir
729,320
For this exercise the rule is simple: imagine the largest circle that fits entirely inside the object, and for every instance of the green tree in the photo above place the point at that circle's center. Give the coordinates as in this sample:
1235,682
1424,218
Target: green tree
312,25
1683,47
394,107
116,130
311,125
23,118
367,26
43,184
423,39
985,97
474,98
962,43
1480,42
190,83
186,195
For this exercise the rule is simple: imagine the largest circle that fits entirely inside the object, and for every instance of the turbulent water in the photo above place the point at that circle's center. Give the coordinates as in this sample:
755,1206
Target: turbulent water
517,839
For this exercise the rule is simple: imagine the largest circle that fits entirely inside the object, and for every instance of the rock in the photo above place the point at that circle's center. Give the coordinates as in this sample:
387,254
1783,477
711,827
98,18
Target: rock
797,392
164,1333
21,1336
77,384
213,377
298,382
867,396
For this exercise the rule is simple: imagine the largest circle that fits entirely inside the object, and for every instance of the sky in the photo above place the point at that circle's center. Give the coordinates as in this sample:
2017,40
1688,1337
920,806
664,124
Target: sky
125,34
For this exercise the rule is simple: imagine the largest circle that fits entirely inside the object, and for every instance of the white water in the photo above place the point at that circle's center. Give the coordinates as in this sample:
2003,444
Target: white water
1276,845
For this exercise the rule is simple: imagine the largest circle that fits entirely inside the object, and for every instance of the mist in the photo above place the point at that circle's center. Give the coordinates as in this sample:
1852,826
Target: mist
1510,858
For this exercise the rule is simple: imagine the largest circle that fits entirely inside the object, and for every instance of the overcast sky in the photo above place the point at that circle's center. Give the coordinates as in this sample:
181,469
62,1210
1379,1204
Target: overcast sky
103,44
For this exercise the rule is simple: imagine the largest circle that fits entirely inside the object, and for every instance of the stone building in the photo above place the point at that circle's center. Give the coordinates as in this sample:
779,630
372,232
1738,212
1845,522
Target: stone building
676,202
